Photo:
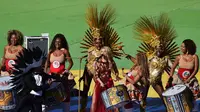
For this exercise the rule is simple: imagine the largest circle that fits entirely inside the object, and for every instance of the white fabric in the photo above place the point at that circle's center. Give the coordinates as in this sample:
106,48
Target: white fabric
38,93
38,79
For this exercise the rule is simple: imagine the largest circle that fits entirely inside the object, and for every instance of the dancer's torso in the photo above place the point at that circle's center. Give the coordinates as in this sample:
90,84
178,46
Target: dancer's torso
57,61
93,54
11,53
156,68
185,67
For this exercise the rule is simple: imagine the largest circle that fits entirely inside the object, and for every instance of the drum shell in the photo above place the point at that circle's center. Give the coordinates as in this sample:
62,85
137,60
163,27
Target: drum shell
8,99
55,95
182,102
116,96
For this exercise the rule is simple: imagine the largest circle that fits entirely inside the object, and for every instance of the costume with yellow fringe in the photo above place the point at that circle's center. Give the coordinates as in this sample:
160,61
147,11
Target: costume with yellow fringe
154,33
99,23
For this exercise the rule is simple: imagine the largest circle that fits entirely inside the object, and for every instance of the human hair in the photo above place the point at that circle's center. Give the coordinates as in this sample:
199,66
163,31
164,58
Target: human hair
64,43
143,63
18,34
190,46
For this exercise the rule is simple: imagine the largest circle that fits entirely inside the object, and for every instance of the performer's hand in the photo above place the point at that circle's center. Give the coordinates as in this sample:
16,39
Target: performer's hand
50,81
66,71
71,76
102,84
118,78
127,56
170,79
186,81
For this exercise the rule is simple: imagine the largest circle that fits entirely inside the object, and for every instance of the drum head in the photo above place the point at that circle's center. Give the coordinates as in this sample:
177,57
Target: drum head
54,84
6,79
174,90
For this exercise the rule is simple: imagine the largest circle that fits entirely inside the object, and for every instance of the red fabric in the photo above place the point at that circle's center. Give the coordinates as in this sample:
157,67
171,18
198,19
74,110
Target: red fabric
184,73
58,70
8,68
97,102
131,77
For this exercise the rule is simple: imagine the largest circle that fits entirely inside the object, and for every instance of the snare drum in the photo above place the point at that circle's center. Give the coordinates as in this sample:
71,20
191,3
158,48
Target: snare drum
116,96
7,95
178,99
55,94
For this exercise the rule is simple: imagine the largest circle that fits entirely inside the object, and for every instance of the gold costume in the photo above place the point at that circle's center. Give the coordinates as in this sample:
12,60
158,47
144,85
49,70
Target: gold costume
156,68
93,54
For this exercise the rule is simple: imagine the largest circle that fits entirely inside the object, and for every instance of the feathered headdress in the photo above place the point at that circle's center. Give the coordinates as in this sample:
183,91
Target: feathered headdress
153,32
26,61
99,23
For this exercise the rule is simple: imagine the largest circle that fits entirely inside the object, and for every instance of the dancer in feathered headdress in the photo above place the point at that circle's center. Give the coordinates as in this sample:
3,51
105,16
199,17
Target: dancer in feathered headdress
157,36
29,80
100,41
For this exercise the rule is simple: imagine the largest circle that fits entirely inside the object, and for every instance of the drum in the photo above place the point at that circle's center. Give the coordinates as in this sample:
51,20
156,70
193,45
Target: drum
178,98
55,94
116,96
7,95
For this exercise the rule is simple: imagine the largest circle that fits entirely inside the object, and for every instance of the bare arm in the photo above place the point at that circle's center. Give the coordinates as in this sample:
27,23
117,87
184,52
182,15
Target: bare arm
196,66
83,57
47,62
136,78
169,67
176,62
114,65
131,58
3,58
68,57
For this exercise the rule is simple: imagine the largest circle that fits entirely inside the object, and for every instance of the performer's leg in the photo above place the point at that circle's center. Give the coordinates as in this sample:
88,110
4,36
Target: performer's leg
143,102
37,107
24,104
86,88
96,98
66,107
37,104
159,89
128,107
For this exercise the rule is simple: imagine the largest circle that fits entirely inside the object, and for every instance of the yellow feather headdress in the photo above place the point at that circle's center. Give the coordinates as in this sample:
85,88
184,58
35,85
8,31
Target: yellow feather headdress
155,31
99,23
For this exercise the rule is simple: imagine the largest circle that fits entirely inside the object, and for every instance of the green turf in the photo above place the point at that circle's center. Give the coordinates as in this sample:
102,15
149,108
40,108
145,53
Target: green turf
33,17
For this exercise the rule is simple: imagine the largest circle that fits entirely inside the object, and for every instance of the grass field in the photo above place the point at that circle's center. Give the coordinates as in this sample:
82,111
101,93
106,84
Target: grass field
34,17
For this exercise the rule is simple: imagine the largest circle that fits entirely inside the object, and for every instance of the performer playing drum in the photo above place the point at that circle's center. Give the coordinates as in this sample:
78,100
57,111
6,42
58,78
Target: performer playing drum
157,37
188,63
30,80
15,41
136,80
58,55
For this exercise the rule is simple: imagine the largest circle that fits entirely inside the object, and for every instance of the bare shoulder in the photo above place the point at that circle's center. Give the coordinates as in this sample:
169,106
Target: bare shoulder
20,47
6,47
65,51
178,57
195,56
